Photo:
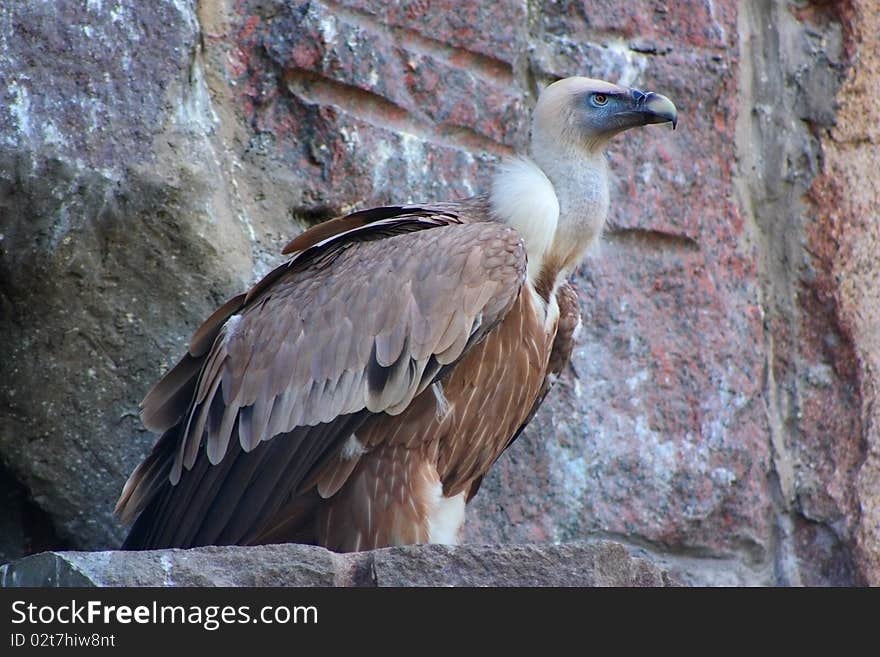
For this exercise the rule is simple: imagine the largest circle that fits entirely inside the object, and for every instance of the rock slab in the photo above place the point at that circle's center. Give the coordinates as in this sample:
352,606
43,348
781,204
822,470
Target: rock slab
601,563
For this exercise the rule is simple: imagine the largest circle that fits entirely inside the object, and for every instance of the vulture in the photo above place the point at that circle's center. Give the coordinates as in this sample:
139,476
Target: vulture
356,396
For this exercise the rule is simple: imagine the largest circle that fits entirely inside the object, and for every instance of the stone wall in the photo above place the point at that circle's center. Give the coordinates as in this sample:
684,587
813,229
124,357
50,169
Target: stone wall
720,411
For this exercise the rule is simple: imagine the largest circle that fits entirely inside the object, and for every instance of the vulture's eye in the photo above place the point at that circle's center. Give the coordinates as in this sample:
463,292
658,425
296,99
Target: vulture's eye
600,99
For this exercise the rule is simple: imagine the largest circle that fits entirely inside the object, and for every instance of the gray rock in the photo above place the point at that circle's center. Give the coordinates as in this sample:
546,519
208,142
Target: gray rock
109,239
25,528
569,564
576,564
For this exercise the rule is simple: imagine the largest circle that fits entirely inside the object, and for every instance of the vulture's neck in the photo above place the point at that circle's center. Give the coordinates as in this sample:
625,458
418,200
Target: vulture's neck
558,200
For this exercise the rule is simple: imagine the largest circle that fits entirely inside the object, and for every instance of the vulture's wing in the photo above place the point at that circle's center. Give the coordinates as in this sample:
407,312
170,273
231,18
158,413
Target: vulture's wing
560,357
358,322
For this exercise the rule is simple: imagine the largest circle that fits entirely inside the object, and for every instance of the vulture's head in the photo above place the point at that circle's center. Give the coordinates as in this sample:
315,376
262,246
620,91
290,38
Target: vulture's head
586,113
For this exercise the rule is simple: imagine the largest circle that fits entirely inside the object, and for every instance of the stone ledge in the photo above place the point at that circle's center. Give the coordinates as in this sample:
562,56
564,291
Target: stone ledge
601,563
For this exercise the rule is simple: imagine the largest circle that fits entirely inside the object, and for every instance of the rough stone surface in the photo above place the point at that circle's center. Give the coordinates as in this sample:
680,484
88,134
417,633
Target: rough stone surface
721,412
602,563
841,315
113,219
25,528
790,79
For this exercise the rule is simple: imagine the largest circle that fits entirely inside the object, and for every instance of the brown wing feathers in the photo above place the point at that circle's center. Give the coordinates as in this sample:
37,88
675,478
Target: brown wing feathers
348,328
227,503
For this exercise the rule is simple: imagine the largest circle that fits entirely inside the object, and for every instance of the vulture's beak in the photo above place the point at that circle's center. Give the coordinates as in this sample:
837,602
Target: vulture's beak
654,108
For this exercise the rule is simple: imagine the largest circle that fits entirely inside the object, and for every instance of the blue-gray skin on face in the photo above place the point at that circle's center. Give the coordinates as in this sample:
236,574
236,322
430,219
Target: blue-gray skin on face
610,112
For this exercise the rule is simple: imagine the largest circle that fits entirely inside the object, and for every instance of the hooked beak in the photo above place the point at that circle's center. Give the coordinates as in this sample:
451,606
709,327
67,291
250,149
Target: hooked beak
655,108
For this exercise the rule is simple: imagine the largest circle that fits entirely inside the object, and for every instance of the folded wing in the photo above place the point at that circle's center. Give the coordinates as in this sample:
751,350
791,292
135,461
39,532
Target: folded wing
357,324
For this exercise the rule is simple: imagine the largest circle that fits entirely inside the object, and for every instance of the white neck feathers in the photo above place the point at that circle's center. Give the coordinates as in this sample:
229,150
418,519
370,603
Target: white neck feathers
523,197
559,206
